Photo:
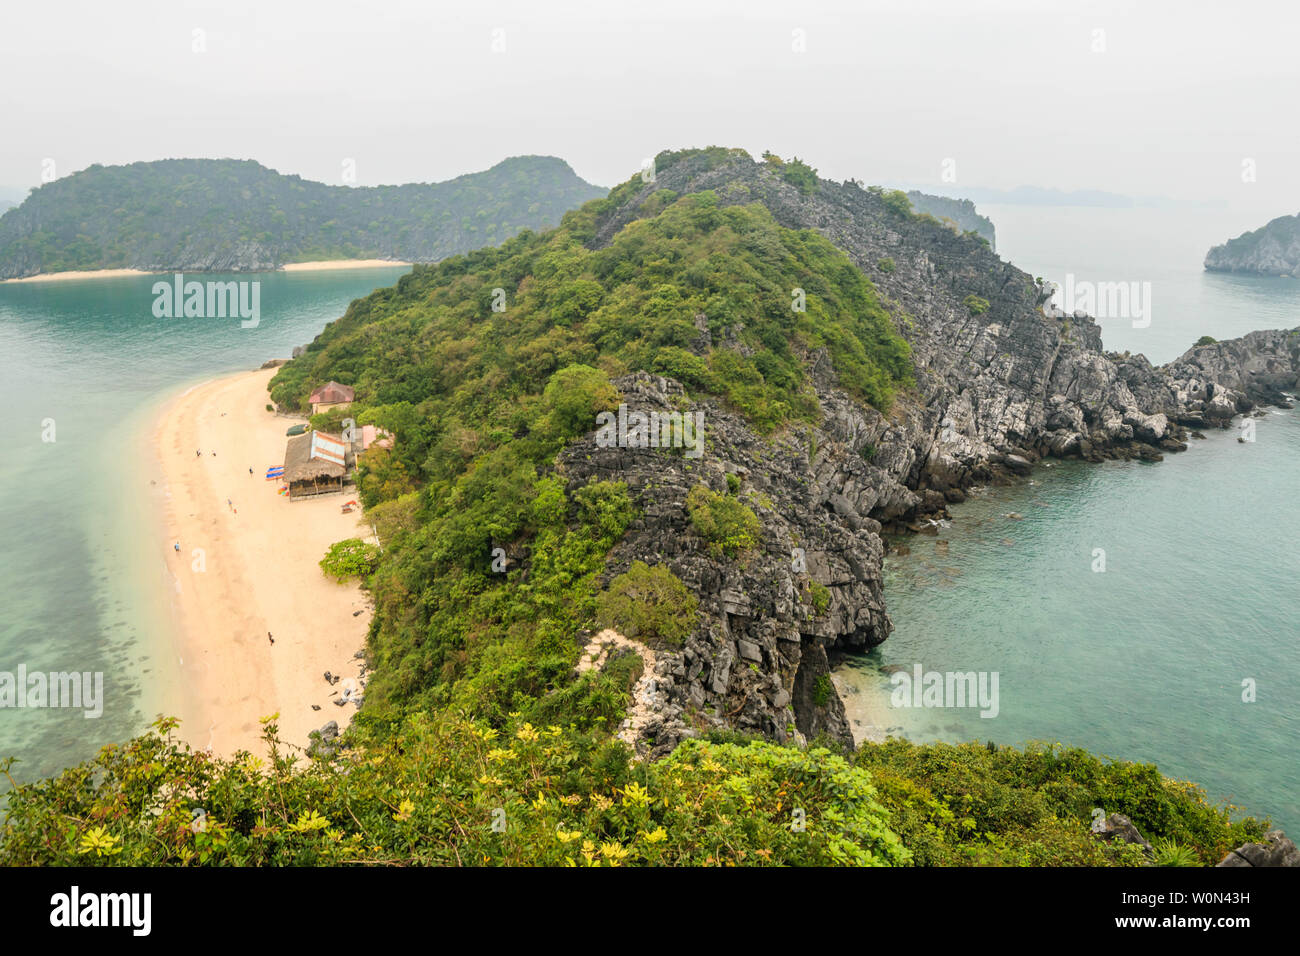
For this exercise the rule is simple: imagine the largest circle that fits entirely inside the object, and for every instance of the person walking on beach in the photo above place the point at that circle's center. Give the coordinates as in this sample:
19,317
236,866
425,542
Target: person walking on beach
177,546
198,453
270,638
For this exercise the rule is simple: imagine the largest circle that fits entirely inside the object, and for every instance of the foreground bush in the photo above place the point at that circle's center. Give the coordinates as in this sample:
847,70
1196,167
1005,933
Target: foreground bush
443,791
962,804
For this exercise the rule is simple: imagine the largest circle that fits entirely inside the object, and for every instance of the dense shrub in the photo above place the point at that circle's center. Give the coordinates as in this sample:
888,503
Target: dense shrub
968,805
352,558
726,523
896,201
650,604
800,174
445,791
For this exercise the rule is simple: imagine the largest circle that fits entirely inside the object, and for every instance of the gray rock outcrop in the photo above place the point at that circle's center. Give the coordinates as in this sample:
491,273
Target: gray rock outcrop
1271,250
996,390
1276,850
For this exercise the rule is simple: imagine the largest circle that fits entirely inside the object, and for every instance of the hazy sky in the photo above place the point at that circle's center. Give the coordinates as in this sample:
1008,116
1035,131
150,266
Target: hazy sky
1169,99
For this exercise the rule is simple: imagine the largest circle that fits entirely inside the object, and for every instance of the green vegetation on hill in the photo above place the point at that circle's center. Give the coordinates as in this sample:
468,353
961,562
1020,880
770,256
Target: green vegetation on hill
481,401
233,215
479,742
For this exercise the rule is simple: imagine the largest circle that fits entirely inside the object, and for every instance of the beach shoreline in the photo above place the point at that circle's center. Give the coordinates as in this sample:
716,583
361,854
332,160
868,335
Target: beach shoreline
247,571
328,264
317,266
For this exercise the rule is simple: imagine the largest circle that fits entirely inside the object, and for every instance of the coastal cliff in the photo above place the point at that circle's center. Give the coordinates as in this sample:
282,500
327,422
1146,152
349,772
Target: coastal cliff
998,386
1271,250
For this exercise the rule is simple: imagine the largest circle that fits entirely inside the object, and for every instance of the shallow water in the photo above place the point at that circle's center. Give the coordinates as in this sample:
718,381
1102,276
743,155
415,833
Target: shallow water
1201,589
88,358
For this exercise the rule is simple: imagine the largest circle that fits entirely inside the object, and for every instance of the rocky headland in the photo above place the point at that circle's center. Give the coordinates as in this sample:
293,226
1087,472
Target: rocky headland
1001,383
1271,250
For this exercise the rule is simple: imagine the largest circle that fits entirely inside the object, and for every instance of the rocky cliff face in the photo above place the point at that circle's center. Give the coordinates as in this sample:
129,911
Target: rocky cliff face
759,659
1273,250
998,388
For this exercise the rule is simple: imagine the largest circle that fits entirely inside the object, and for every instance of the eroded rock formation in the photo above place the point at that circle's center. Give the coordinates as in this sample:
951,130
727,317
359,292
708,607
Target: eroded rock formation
996,390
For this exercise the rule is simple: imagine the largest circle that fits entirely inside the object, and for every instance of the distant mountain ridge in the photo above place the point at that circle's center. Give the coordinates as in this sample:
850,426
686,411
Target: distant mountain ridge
226,215
1271,250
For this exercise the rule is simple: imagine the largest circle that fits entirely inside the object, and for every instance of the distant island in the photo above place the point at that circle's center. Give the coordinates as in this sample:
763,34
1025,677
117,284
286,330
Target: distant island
961,212
1048,196
227,215
1272,250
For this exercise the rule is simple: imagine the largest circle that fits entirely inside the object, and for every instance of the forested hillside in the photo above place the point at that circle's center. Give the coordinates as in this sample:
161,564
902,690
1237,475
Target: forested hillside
231,216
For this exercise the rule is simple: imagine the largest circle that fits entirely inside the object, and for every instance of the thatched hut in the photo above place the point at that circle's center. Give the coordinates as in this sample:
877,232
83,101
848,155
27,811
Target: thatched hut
314,464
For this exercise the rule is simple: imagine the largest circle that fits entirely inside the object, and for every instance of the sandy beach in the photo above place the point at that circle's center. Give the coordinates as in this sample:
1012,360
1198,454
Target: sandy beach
341,264
320,266
90,274
254,571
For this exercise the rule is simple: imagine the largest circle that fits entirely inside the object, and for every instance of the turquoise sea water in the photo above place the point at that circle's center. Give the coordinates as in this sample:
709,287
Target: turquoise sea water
1146,660
79,561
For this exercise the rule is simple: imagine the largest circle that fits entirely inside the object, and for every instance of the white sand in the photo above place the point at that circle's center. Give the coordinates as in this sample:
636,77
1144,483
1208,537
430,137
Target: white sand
90,274
320,266
341,264
261,574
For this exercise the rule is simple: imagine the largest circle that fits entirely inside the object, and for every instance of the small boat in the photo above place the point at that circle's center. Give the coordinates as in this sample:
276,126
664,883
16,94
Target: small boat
297,429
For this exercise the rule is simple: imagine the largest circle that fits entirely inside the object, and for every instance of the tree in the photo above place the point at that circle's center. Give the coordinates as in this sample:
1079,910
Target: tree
352,558
574,396
650,604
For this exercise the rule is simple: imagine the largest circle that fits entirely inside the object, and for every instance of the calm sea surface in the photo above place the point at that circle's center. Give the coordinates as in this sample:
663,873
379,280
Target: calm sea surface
86,363
1201,589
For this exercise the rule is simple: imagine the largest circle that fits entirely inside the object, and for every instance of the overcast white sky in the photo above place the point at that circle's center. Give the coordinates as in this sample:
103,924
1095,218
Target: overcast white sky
1014,92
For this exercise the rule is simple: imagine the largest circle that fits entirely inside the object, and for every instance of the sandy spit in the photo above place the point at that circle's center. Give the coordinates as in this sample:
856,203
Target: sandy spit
320,266
247,566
